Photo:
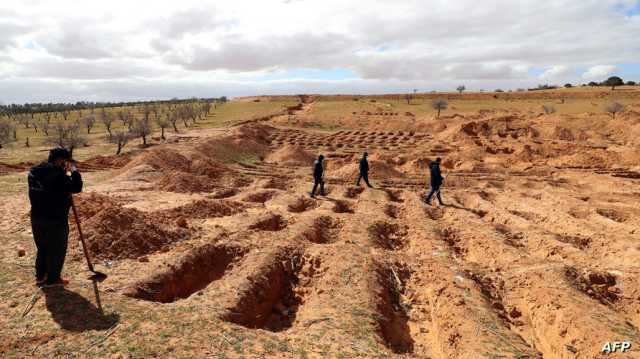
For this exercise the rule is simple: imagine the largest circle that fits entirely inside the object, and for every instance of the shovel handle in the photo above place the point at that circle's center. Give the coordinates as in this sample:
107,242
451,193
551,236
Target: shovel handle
84,244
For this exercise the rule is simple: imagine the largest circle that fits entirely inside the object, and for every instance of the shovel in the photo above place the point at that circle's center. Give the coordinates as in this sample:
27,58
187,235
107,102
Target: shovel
97,276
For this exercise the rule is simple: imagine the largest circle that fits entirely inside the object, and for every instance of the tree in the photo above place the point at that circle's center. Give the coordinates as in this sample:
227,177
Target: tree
498,90
65,114
142,128
120,138
163,123
44,126
89,121
593,83
631,83
6,132
172,117
206,107
461,89
613,81
548,109
107,120
439,104
67,136
408,98
614,108
568,85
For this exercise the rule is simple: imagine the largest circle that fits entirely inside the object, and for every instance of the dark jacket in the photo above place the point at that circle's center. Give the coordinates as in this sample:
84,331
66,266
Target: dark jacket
436,176
318,170
50,191
364,166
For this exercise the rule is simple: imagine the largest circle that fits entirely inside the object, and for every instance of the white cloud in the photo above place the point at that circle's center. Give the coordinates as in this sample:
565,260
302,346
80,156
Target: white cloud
183,44
598,72
555,72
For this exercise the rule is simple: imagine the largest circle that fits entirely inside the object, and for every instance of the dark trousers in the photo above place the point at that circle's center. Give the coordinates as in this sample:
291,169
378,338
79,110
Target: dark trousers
434,188
317,181
363,176
51,237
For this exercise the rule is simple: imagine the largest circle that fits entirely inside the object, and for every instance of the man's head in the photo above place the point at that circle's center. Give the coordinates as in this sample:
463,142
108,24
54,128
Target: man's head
438,160
365,155
59,156
321,157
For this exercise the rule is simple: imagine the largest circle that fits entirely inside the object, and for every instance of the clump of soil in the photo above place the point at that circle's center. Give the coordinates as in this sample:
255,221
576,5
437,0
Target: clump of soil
118,233
270,222
203,209
387,235
88,204
302,204
224,193
452,238
598,285
392,211
191,273
324,230
394,196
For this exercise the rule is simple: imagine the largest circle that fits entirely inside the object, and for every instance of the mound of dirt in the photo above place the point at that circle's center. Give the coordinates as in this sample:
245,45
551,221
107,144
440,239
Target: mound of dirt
203,209
182,182
377,169
119,233
88,204
290,155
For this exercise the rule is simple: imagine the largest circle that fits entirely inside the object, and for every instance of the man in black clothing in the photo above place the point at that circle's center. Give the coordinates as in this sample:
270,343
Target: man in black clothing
364,171
318,173
436,180
50,190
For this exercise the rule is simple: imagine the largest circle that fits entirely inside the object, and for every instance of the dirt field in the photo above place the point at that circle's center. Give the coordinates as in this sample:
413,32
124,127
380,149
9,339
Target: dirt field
214,249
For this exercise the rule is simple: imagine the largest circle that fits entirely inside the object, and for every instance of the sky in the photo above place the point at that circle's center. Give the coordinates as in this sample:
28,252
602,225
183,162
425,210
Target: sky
116,50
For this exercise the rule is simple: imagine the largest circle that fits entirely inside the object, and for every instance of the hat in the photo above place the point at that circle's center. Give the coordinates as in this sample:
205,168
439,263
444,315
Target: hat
58,153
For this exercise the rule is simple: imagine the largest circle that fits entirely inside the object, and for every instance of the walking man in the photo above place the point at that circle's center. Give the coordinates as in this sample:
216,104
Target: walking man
436,180
50,190
364,171
318,174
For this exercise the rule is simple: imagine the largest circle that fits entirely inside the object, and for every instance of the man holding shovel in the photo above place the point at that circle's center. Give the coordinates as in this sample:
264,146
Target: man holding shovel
50,189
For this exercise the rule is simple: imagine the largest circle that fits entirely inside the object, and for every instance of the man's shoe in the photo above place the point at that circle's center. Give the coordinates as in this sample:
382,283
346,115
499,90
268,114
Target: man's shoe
59,283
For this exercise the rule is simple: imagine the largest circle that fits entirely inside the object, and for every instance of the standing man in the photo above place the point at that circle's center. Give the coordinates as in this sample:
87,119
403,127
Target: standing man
50,190
436,180
318,174
364,171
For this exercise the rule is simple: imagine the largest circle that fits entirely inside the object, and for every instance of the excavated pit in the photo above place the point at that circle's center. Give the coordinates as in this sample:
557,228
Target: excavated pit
392,308
388,235
260,197
613,214
270,222
353,192
324,230
302,205
191,273
597,285
579,242
343,207
272,300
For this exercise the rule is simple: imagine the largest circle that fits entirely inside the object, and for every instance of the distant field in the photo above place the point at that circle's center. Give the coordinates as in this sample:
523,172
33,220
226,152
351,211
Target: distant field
224,115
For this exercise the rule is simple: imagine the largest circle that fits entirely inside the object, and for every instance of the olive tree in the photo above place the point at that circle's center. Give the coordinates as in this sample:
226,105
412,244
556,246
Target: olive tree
120,138
614,108
439,105
461,88
89,121
613,81
162,123
141,128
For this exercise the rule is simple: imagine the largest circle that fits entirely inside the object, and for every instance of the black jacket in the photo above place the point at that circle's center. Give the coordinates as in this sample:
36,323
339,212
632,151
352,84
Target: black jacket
364,165
318,170
50,191
436,176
